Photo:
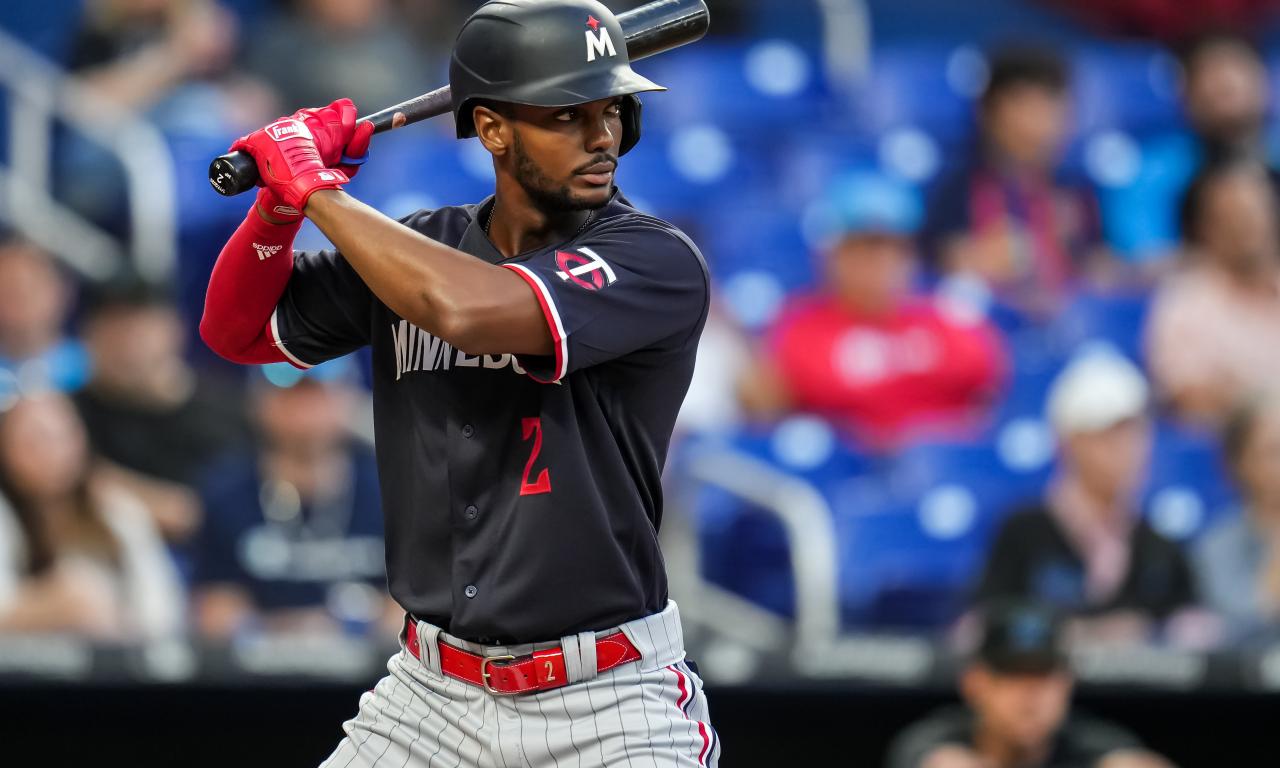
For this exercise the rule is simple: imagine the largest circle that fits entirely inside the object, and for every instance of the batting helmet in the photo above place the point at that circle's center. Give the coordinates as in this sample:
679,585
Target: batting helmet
544,53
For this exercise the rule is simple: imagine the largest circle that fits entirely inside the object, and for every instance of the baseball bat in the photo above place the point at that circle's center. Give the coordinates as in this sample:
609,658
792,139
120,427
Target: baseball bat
651,28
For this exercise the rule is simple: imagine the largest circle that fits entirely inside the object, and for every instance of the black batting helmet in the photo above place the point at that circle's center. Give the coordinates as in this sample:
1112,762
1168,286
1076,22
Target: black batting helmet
544,53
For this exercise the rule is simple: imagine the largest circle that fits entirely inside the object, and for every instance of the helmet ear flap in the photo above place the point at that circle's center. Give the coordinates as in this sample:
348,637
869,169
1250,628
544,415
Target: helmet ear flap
631,109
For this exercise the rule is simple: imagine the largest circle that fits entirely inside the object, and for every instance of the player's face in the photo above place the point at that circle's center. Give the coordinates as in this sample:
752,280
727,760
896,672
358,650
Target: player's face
1022,711
564,157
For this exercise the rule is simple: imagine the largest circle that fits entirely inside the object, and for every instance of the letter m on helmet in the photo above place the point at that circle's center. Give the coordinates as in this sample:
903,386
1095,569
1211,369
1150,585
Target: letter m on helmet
599,44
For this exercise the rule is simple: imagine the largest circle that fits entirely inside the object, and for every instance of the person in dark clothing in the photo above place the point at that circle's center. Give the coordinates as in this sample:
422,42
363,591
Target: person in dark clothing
292,535
1005,216
1083,549
154,422
1017,713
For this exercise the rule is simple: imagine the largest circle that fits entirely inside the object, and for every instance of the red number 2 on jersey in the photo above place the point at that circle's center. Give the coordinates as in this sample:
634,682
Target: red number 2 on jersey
531,426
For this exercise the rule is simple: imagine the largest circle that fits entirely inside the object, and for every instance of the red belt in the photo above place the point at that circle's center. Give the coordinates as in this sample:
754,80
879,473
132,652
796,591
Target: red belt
509,675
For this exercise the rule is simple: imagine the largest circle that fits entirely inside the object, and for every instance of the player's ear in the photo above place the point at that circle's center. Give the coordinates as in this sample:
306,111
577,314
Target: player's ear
492,128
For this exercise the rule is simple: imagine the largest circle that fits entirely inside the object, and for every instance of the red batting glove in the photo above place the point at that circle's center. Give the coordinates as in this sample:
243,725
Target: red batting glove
289,162
343,143
357,150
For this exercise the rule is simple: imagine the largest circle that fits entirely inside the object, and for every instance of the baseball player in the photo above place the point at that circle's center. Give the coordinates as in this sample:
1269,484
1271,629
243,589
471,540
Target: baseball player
530,353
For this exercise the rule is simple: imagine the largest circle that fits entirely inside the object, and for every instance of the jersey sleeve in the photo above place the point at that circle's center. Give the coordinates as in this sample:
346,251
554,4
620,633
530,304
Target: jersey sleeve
627,285
324,312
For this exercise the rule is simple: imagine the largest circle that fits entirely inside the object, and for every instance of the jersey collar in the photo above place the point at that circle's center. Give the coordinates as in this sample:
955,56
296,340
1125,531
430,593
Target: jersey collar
476,242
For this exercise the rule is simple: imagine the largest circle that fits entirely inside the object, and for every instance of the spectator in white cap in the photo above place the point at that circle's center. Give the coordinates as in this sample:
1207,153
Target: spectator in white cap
1084,548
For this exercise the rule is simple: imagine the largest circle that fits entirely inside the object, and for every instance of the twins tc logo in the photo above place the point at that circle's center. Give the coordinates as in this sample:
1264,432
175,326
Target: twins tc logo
598,41
574,267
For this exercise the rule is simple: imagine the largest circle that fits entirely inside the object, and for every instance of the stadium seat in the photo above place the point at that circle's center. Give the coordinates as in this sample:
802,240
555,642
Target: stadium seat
1117,320
1188,487
909,562
1132,86
910,548
758,87
743,547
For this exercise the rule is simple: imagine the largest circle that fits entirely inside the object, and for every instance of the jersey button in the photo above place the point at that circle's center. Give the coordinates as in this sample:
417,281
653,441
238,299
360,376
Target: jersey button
471,511
470,591
468,430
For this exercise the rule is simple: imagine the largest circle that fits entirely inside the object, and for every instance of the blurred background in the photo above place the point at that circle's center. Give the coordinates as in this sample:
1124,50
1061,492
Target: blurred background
984,439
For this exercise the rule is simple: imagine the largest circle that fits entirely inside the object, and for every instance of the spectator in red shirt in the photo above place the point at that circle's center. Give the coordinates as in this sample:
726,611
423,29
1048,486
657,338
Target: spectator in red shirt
866,350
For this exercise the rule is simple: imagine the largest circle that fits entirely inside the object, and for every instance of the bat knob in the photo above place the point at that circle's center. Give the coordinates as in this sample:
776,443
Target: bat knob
233,173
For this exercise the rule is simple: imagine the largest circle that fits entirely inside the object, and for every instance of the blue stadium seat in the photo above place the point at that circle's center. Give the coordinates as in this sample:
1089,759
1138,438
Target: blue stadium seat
423,167
908,562
1131,86
1117,320
748,234
757,87
744,548
997,473
1188,487
914,86
910,549
49,26
679,172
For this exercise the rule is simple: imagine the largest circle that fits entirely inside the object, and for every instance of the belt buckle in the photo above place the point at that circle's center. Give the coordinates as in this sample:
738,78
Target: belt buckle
485,661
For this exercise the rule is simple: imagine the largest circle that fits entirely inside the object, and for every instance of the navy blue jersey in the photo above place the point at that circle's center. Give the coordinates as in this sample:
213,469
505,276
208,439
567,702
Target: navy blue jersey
523,495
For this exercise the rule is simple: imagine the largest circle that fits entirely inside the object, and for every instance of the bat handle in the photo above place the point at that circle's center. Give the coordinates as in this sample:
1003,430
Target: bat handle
233,173
236,172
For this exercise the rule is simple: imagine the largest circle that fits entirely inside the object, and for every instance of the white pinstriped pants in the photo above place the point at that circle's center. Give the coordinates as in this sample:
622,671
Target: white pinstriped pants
646,714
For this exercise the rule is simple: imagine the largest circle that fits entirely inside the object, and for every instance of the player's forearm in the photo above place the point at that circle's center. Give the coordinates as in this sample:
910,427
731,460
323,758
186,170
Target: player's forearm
473,305
247,281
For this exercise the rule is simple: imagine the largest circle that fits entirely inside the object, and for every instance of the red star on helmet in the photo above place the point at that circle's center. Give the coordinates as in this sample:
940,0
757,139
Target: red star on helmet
593,22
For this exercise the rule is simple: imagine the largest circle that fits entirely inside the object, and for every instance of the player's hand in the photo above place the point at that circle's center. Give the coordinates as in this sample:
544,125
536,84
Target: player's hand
343,142
289,161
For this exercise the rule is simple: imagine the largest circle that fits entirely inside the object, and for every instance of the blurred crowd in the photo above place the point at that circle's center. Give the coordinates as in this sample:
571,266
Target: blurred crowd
146,489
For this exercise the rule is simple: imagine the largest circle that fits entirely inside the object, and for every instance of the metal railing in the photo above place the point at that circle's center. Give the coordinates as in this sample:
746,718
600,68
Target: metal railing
41,96
806,520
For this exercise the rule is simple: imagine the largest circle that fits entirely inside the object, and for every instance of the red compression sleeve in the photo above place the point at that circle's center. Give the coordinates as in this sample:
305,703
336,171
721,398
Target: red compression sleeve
247,282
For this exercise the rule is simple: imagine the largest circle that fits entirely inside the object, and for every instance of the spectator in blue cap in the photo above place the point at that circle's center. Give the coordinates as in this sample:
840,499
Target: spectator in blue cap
292,537
866,349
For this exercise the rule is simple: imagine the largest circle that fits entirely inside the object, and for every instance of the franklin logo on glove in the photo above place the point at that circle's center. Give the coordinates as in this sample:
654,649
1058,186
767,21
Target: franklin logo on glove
288,129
